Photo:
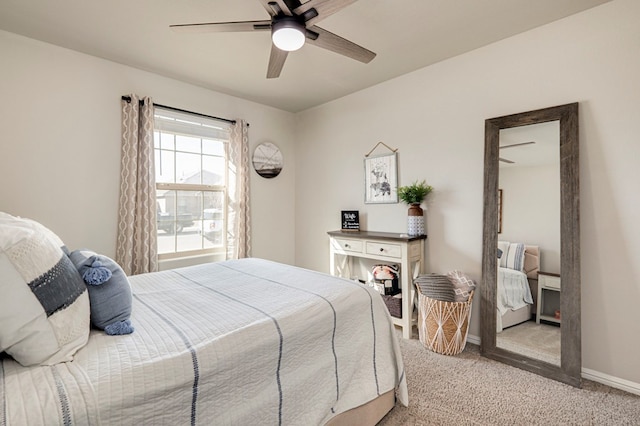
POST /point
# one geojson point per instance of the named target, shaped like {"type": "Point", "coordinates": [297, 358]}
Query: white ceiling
{"type": "Point", "coordinates": [405, 34]}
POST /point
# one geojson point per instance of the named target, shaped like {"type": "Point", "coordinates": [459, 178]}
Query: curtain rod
{"type": "Point", "coordinates": [128, 99]}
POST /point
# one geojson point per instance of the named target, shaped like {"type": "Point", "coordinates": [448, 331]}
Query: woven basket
{"type": "Point", "coordinates": [443, 326]}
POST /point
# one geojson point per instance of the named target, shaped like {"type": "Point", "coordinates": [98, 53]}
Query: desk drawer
{"type": "Point", "coordinates": [354, 246]}
{"type": "Point", "coordinates": [549, 281]}
{"type": "Point", "coordinates": [384, 249]}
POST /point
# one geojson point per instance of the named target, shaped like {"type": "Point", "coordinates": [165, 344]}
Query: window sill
{"type": "Point", "coordinates": [179, 262]}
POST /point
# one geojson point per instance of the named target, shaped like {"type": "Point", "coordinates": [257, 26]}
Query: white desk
{"type": "Point", "coordinates": [406, 251]}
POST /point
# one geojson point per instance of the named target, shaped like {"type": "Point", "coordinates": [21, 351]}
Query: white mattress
{"type": "Point", "coordinates": [241, 342]}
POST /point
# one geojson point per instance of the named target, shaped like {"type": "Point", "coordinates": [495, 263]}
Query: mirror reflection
{"type": "Point", "coordinates": [528, 314]}
{"type": "Point", "coordinates": [529, 226]}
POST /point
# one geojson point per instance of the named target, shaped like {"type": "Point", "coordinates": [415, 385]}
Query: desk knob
{"type": "Point", "coordinates": [381, 249]}
{"type": "Point", "coordinates": [346, 246]}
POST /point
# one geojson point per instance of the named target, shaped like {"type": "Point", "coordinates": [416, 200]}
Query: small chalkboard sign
{"type": "Point", "coordinates": [350, 220]}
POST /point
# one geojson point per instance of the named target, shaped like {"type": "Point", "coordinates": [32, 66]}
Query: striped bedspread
{"type": "Point", "coordinates": [513, 290]}
{"type": "Point", "coordinates": [246, 342]}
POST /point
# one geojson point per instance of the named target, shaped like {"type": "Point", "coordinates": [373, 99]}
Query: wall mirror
{"type": "Point", "coordinates": [530, 308]}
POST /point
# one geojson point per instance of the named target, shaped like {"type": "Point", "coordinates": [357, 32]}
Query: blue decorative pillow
{"type": "Point", "coordinates": [109, 291]}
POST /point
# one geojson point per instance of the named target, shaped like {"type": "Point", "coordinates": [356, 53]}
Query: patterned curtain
{"type": "Point", "coordinates": [238, 214]}
{"type": "Point", "coordinates": [136, 249]}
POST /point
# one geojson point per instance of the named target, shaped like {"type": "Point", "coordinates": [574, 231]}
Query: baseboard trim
{"type": "Point", "coordinates": [588, 374]}
{"type": "Point", "coordinates": [473, 339]}
{"type": "Point", "coordinates": [614, 382]}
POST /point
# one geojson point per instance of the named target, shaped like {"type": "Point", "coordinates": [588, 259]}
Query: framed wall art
{"type": "Point", "coordinates": [381, 178]}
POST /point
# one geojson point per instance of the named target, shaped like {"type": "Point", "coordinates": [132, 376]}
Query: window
{"type": "Point", "coordinates": [191, 183]}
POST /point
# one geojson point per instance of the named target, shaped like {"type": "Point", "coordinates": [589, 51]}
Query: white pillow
{"type": "Point", "coordinates": [44, 308]}
{"type": "Point", "coordinates": [504, 247]}
{"type": "Point", "coordinates": [515, 257]}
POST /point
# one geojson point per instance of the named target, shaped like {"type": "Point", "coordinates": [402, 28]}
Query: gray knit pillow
{"type": "Point", "coordinates": [436, 287]}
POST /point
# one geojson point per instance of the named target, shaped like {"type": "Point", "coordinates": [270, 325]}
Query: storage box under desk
{"type": "Point", "coordinates": [394, 304]}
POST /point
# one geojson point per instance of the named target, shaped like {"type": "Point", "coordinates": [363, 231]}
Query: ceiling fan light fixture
{"type": "Point", "coordinates": [288, 34]}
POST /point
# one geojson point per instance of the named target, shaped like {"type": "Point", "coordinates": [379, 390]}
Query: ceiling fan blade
{"type": "Point", "coordinates": [504, 160]}
{"type": "Point", "coordinates": [276, 62]}
{"type": "Point", "coordinates": [517, 144]}
{"type": "Point", "coordinates": [276, 6]}
{"type": "Point", "coordinates": [337, 44]}
{"type": "Point", "coordinates": [323, 9]}
{"type": "Point", "coordinates": [222, 27]}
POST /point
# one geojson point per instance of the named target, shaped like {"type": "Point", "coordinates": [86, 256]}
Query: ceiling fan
{"type": "Point", "coordinates": [291, 24]}
{"type": "Point", "coordinates": [504, 160]}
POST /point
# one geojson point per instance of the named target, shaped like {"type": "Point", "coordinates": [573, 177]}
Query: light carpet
{"type": "Point", "coordinates": [468, 389]}
{"type": "Point", "coordinates": [539, 341]}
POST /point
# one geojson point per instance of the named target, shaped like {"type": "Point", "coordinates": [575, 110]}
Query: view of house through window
{"type": "Point", "coordinates": [191, 183]}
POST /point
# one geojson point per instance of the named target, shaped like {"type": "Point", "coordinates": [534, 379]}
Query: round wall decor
{"type": "Point", "coordinates": [267, 160]}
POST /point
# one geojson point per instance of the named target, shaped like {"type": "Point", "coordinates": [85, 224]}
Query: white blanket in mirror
{"type": "Point", "coordinates": [513, 290]}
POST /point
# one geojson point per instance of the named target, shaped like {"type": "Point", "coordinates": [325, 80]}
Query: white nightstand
{"type": "Point", "coordinates": [549, 287]}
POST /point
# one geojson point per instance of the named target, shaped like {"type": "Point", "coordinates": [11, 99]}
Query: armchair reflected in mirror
{"type": "Point", "coordinates": [531, 293]}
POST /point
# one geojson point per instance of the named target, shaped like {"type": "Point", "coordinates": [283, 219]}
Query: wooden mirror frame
{"type": "Point", "coordinates": [570, 369]}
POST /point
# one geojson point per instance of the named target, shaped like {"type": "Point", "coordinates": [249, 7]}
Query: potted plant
{"type": "Point", "coordinates": [414, 195]}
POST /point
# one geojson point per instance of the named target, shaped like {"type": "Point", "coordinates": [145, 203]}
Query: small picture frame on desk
{"type": "Point", "coordinates": [350, 220]}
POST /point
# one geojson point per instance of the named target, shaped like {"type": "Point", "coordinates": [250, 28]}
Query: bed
{"type": "Point", "coordinates": [517, 283]}
{"type": "Point", "coordinates": [240, 342]}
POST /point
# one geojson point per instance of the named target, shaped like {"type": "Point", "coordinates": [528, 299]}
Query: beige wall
{"type": "Point", "coordinates": [60, 144]}
{"type": "Point", "coordinates": [435, 117]}
{"type": "Point", "coordinates": [531, 210]}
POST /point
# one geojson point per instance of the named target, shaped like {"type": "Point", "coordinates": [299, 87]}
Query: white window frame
{"type": "Point", "coordinates": [174, 122]}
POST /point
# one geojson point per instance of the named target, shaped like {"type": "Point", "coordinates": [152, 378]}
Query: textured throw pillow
{"type": "Point", "coordinates": [515, 257]}
{"type": "Point", "coordinates": [109, 291]}
{"type": "Point", "coordinates": [44, 305]}
{"type": "Point", "coordinates": [436, 287]}
{"type": "Point", "coordinates": [462, 285]}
